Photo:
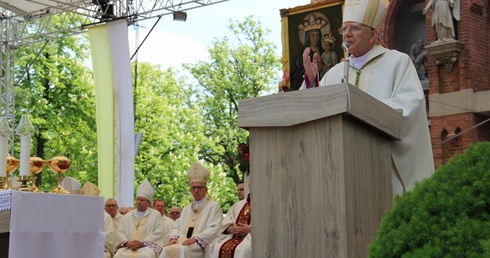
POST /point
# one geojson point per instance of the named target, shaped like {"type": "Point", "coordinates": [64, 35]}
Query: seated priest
{"type": "Point", "coordinates": [167, 223]}
{"type": "Point", "coordinates": [235, 239]}
{"type": "Point", "coordinates": [141, 231]}
{"type": "Point", "coordinates": [199, 222]}
{"type": "Point", "coordinates": [111, 208]}
{"type": "Point", "coordinates": [110, 235]}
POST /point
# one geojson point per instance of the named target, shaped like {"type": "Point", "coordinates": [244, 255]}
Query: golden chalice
{"type": "Point", "coordinates": [59, 165]}
{"type": "Point", "coordinates": [12, 164]}
{"type": "Point", "coordinates": [36, 165]}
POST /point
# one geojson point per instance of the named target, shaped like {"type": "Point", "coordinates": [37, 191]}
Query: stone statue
{"type": "Point", "coordinates": [418, 54]}
{"type": "Point", "coordinates": [443, 12]}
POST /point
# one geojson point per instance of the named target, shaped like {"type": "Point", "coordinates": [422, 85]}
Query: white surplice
{"type": "Point", "coordinates": [147, 229]}
{"type": "Point", "coordinates": [390, 76]}
{"type": "Point", "coordinates": [110, 236]}
{"type": "Point", "coordinates": [205, 221]}
{"type": "Point", "coordinates": [167, 226]}
{"type": "Point", "coordinates": [117, 220]}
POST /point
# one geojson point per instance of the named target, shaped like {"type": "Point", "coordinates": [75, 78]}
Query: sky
{"type": "Point", "coordinates": [172, 43]}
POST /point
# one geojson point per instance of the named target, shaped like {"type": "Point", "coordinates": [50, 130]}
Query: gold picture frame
{"type": "Point", "coordinates": [298, 24]}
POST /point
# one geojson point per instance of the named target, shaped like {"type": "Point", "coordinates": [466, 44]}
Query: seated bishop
{"type": "Point", "coordinates": [140, 231]}
{"type": "Point", "coordinates": [199, 222]}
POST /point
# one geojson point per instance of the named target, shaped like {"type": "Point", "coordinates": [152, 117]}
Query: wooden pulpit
{"type": "Point", "coordinates": [321, 177]}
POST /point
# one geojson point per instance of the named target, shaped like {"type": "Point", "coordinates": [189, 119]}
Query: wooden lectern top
{"type": "Point", "coordinates": [293, 108]}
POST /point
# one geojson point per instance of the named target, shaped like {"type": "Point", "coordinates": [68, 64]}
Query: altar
{"type": "Point", "coordinates": [42, 225]}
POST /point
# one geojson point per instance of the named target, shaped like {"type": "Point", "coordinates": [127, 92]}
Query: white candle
{"type": "Point", "coordinates": [25, 154]}
{"type": "Point", "coordinates": [4, 145]}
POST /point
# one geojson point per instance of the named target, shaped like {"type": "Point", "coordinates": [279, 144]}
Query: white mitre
{"type": "Point", "coordinates": [367, 12]}
{"type": "Point", "coordinates": [145, 190]}
{"type": "Point", "coordinates": [71, 185]}
{"type": "Point", "coordinates": [90, 189]}
{"type": "Point", "coordinates": [197, 173]}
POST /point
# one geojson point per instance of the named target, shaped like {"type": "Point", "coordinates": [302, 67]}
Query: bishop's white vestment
{"type": "Point", "coordinates": [202, 224]}
{"type": "Point", "coordinates": [147, 229]}
{"type": "Point", "coordinates": [390, 76]}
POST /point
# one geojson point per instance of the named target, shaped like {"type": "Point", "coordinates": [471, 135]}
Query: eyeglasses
{"type": "Point", "coordinates": [199, 188]}
{"type": "Point", "coordinates": [353, 28]}
{"type": "Point", "coordinates": [174, 212]}
{"type": "Point", "coordinates": [111, 205]}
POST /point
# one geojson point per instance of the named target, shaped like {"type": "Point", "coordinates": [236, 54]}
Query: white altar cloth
{"type": "Point", "coordinates": [46, 225]}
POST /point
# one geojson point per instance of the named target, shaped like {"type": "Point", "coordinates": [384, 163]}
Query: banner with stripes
{"type": "Point", "coordinates": [114, 106]}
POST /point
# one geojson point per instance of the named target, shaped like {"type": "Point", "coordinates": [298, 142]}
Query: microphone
{"type": "Point", "coordinates": [345, 46]}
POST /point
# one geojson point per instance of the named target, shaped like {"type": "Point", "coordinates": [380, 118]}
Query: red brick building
{"type": "Point", "coordinates": [458, 72]}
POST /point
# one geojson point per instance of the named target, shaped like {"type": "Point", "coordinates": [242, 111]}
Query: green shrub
{"type": "Point", "coordinates": [447, 215]}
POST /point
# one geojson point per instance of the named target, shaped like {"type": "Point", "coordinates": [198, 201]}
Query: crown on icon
{"type": "Point", "coordinates": [312, 23]}
{"type": "Point", "coordinates": [329, 38]}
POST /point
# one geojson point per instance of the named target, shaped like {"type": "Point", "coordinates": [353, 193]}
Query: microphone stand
{"type": "Point", "coordinates": [345, 46]}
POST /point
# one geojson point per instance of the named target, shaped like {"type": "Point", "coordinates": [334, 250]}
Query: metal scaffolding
{"type": "Point", "coordinates": [25, 22]}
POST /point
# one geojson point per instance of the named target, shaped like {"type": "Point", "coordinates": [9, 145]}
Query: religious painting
{"type": "Point", "coordinates": [315, 26]}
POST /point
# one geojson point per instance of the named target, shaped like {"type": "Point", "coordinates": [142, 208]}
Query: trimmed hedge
{"type": "Point", "coordinates": [446, 215]}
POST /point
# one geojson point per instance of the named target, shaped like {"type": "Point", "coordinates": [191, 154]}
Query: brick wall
{"type": "Point", "coordinates": [445, 127]}
{"type": "Point", "coordinates": [472, 71]}
{"type": "Point", "coordinates": [473, 32]}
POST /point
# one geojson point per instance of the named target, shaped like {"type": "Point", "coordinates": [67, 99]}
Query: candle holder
{"type": "Point", "coordinates": [23, 183]}
{"type": "Point", "coordinates": [4, 183]}
{"type": "Point", "coordinates": [36, 165]}
{"type": "Point", "coordinates": [24, 130]}
{"type": "Point", "coordinates": [12, 164]}
{"type": "Point", "coordinates": [59, 165]}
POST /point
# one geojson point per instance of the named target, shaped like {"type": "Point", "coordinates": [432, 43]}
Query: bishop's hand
{"type": "Point", "coordinates": [311, 65]}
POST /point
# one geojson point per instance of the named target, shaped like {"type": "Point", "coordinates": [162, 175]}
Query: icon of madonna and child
{"type": "Point", "coordinates": [314, 31]}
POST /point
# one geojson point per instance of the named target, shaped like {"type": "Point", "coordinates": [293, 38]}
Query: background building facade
{"type": "Point", "coordinates": [458, 72]}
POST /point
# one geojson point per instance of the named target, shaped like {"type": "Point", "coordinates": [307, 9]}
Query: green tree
{"type": "Point", "coordinates": [239, 68]}
{"type": "Point", "coordinates": [446, 215]}
{"type": "Point", "coordinates": [180, 124]}
{"type": "Point", "coordinates": [173, 133]}
{"type": "Point", "coordinates": [55, 88]}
